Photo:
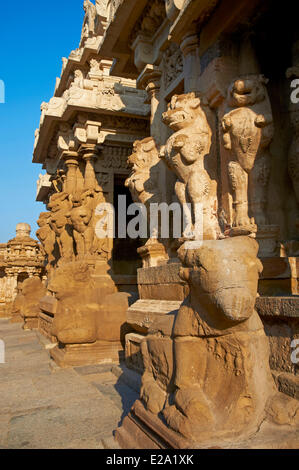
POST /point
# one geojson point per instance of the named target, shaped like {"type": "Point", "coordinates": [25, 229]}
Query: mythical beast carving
{"type": "Point", "coordinates": [184, 154]}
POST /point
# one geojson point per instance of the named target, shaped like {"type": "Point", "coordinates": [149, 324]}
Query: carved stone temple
{"type": "Point", "coordinates": [182, 104]}
{"type": "Point", "coordinates": [22, 263]}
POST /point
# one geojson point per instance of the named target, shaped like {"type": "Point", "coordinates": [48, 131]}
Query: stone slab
{"type": "Point", "coordinates": [87, 354]}
{"type": "Point", "coordinates": [287, 383]}
{"type": "Point", "coordinates": [278, 306]}
{"type": "Point", "coordinates": [164, 274]}
{"type": "Point", "coordinates": [143, 313]}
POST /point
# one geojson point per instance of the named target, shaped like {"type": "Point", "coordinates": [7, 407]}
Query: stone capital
{"type": "Point", "coordinates": [88, 151]}
{"type": "Point", "coordinates": [149, 79]}
{"type": "Point", "coordinates": [70, 158]}
{"type": "Point", "coordinates": [190, 43]}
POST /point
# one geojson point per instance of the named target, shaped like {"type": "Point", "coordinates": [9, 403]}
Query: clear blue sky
{"type": "Point", "coordinates": [34, 36]}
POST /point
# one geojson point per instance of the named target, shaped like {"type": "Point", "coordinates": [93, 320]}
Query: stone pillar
{"type": "Point", "coordinates": [190, 50]}
{"type": "Point", "coordinates": [11, 284]}
{"type": "Point", "coordinates": [149, 80]}
{"type": "Point", "coordinates": [71, 162]}
{"type": "Point", "coordinates": [89, 155]}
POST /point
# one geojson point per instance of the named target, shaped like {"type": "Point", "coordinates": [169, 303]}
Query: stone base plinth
{"type": "Point", "coordinates": [153, 253]}
{"type": "Point", "coordinates": [279, 277]}
{"type": "Point", "coordinates": [144, 430]}
{"type": "Point", "coordinates": [45, 323]}
{"type": "Point", "coordinates": [87, 354]}
{"type": "Point", "coordinates": [30, 323]}
{"type": "Point", "coordinates": [5, 309]}
{"type": "Point", "coordinates": [133, 354]}
{"type": "Point", "coordinates": [162, 282]}
{"type": "Point", "coordinates": [16, 319]}
{"type": "Point", "coordinates": [144, 313]}
{"type": "Point", "coordinates": [267, 237]}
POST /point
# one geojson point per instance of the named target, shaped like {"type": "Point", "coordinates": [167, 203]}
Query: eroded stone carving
{"type": "Point", "coordinates": [145, 187]}
{"type": "Point", "coordinates": [84, 219]}
{"type": "Point", "coordinates": [89, 21]}
{"type": "Point", "coordinates": [83, 232]}
{"type": "Point", "coordinates": [32, 290]}
{"type": "Point", "coordinates": [144, 179]}
{"type": "Point", "coordinates": [173, 64]}
{"type": "Point", "coordinates": [46, 236]}
{"type": "Point", "coordinates": [247, 134]}
{"type": "Point", "coordinates": [60, 207]}
{"type": "Point", "coordinates": [89, 311]}
{"type": "Point", "coordinates": [184, 154]}
{"type": "Point", "coordinates": [209, 373]}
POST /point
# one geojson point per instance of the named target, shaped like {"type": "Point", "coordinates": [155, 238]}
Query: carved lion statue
{"type": "Point", "coordinates": [184, 154]}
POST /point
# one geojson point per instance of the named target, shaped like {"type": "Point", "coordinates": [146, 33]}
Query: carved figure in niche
{"type": "Point", "coordinates": [87, 311]}
{"type": "Point", "coordinates": [144, 179]}
{"type": "Point", "coordinates": [78, 81]}
{"type": "Point", "coordinates": [60, 207]}
{"type": "Point", "coordinates": [247, 134]}
{"type": "Point", "coordinates": [209, 373]}
{"type": "Point", "coordinates": [293, 161]}
{"type": "Point", "coordinates": [90, 18]}
{"type": "Point", "coordinates": [184, 154]}
{"type": "Point", "coordinates": [47, 237]}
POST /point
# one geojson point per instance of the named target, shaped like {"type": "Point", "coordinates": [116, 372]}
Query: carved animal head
{"type": "Point", "coordinates": [67, 280]}
{"type": "Point", "coordinates": [182, 112]}
{"type": "Point", "coordinates": [44, 219]}
{"type": "Point", "coordinates": [80, 217]}
{"type": "Point", "coordinates": [223, 277]}
{"type": "Point", "coordinates": [144, 154]}
{"type": "Point", "coordinates": [33, 288]}
{"type": "Point", "coordinates": [247, 90]}
{"type": "Point", "coordinates": [58, 201]}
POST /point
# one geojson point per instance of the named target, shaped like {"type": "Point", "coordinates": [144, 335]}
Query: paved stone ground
{"type": "Point", "coordinates": [45, 407]}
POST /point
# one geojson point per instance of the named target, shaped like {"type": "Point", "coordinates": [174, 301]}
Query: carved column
{"type": "Point", "coordinates": [190, 50]}
{"type": "Point", "coordinates": [11, 284]}
{"type": "Point", "coordinates": [89, 155]}
{"type": "Point", "coordinates": [71, 162]}
{"type": "Point", "coordinates": [149, 80]}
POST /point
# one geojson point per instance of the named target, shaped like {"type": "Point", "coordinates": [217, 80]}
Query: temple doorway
{"type": "Point", "coordinates": [125, 259]}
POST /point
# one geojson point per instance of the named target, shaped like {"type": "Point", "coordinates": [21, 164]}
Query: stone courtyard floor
{"type": "Point", "coordinates": [45, 407]}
